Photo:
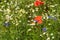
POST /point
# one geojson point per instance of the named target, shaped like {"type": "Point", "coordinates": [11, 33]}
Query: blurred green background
{"type": "Point", "coordinates": [16, 17]}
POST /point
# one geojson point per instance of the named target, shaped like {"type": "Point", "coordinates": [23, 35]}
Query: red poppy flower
{"type": "Point", "coordinates": [38, 3]}
{"type": "Point", "coordinates": [38, 19]}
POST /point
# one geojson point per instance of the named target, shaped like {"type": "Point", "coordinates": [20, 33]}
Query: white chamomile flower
{"type": "Point", "coordinates": [17, 7]}
{"type": "Point", "coordinates": [7, 17]}
{"type": "Point", "coordinates": [53, 10]}
{"type": "Point", "coordinates": [2, 6]}
{"type": "Point", "coordinates": [20, 21]}
{"type": "Point", "coordinates": [1, 10]}
{"type": "Point", "coordinates": [51, 34]}
{"type": "Point", "coordinates": [33, 11]}
{"type": "Point", "coordinates": [11, 17]}
{"type": "Point", "coordinates": [8, 3]}
{"type": "Point", "coordinates": [44, 17]}
{"type": "Point", "coordinates": [47, 17]}
{"type": "Point", "coordinates": [13, 22]}
{"type": "Point", "coordinates": [22, 10]}
{"type": "Point", "coordinates": [41, 35]}
{"type": "Point", "coordinates": [52, 6]}
{"type": "Point", "coordinates": [31, 4]}
{"type": "Point", "coordinates": [26, 12]}
{"type": "Point", "coordinates": [11, 2]}
{"type": "Point", "coordinates": [28, 6]}
{"type": "Point", "coordinates": [28, 21]}
{"type": "Point", "coordinates": [48, 38]}
{"type": "Point", "coordinates": [8, 10]}
{"type": "Point", "coordinates": [32, 24]}
{"type": "Point", "coordinates": [36, 9]}
{"type": "Point", "coordinates": [29, 30]}
{"type": "Point", "coordinates": [44, 33]}
{"type": "Point", "coordinates": [49, 23]}
{"type": "Point", "coordinates": [47, 34]}
{"type": "Point", "coordinates": [17, 24]}
{"type": "Point", "coordinates": [29, 16]}
{"type": "Point", "coordinates": [56, 4]}
{"type": "Point", "coordinates": [32, 20]}
{"type": "Point", "coordinates": [5, 1]}
{"type": "Point", "coordinates": [52, 37]}
{"type": "Point", "coordinates": [20, 15]}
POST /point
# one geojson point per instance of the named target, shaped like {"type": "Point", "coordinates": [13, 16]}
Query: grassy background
{"type": "Point", "coordinates": [19, 28]}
